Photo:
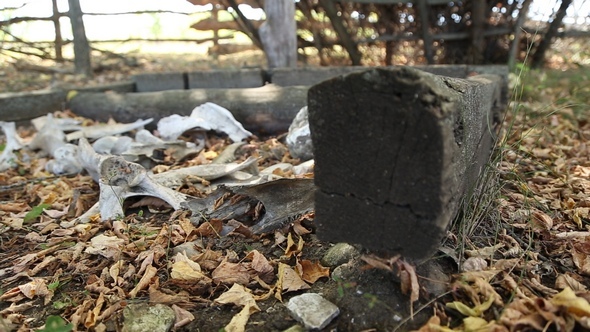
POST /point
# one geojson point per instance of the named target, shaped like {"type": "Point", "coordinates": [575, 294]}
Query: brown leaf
{"type": "Point", "coordinates": [568, 280]}
{"type": "Point", "coordinates": [289, 280]}
{"type": "Point", "coordinates": [261, 265]}
{"type": "Point", "coordinates": [231, 273]}
{"type": "Point", "coordinates": [145, 281]}
{"type": "Point", "coordinates": [183, 317]}
{"type": "Point", "coordinates": [292, 248]}
{"type": "Point", "coordinates": [409, 280]}
{"type": "Point", "coordinates": [210, 228]}
{"type": "Point", "coordinates": [312, 271]}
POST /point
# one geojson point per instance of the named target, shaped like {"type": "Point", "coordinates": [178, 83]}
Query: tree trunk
{"type": "Point", "coordinates": [81, 46]}
{"type": "Point", "coordinates": [278, 34]}
{"type": "Point", "coordinates": [515, 47]}
{"type": "Point", "coordinates": [343, 34]}
{"type": "Point", "coordinates": [539, 55]}
{"type": "Point", "coordinates": [58, 39]}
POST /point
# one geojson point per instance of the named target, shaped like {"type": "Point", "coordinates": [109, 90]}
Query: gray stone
{"type": "Point", "coordinates": [299, 138]}
{"type": "Point", "coordinates": [141, 317]}
{"type": "Point", "coordinates": [345, 271]}
{"type": "Point", "coordinates": [339, 254]}
{"type": "Point", "coordinates": [225, 79]}
{"type": "Point", "coordinates": [395, 151]}
{"type": "Point", "coordinates": [312, 310]}
{"type": "Point", "coordinates": [160, 81]}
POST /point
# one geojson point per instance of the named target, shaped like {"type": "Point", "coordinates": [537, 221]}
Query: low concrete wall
{"type": "Point", "coordinates": [23, 106]}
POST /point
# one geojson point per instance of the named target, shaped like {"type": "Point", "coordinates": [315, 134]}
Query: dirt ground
{"type": "Point", "coordinates": [541, 194]}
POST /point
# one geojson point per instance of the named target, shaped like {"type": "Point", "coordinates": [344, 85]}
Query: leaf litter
{"type": "Point", "coordinates": [529, 273]}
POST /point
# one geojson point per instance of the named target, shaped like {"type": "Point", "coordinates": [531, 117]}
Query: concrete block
{"type": "Point", "coordinates": [23, 106]}
{"type": "Point", "coordinates": [226, 79]}
{"type": "Point", "coordinates": [396, 150]}
{"type": "Point", "coordinates": [19, 106]}
{"type": "Point", "coordinates": [160, 81]}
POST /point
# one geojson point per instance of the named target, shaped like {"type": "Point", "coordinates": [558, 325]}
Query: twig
{"type": "Point", "coordinates": [407, 319]}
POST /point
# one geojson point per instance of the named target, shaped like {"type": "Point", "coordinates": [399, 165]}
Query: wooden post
{"type": "Point", "coordinates": [478, 15]}
{"type": "Point", "coordinates": [58, 39]}
{"type": "Point", "coordinates": [425, 26]}
{"type": "Point", "coordinates": [81, 46]}
{"type": "Point", "coordinates": [278, 33]}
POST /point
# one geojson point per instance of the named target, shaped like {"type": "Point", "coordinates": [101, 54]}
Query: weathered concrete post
{"type": "Point", "coordinates": [395, 151]}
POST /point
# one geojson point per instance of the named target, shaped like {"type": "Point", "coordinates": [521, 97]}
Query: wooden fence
{"type": "Point", "coordinates": [339, 22]}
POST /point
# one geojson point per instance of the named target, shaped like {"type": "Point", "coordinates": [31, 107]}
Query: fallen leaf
{"type": "Point", "coordinates": [106, 246]}
{"type": "Point", "coordinates": [231, 273]}
{"type": "Point", "coordinates": [184, 271]}
{"type": "Point", "coordinates": [293, 249]}
{"type": "Point", "coordinates": [183, 316]}
{"type": "Point", "coordinates": [36, 287]}
{"type": "Point", "coordinates": [238, 295]}
{"type": "Point", "coordinates": [312, 271]}
{"type": "Point", "coordinates": [144, 282]}
{"type": "Point", "coordinates": [476, 311]}
{"type": "Point", "coordinates": [289, 281]}
{"type": "Point", "coordinates": [568, 281]}
{"type": "Point", "coordinates": [261, 265]}
{"type": "Point", "coordinates": [409, 282]}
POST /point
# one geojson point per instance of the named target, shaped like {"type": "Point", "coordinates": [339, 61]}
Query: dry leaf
{"type": "Point", "coordinates": [231, 273]}
{"type": "Point", "coordinates": [145, 280]}
{"type": "Point", "coordinates": [567, 281]}
{"type": "Point", "coordinates": [107, 246]}
{"type": "Point", "coordinates": [261, 265]}
{"type": "Point", "coordinates": [289, 280]}
{"type": "Point", "coordinates": [182, 270]}
{"type": "Point", "coordinates": [293, 249]}
{"type": "Point", "coordinates": [311, 272]}
{"type": "Point", "coordinates": [183, 316]}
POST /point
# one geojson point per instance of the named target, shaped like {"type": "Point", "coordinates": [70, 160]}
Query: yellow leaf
{"type": "Point", "coordinates": [474, 324]}
{"type": "Point", "coordinates": [476, 311]}
{"type": "Point", "coordinates": [575, 305]}
{"type": "Point", "coordinates": [71, 95]}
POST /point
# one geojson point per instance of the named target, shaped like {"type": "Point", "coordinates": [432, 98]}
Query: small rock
{"type": "Point", "coordinates": [344, 271]}
{"type": "Point", "coordinates": [142, 317]}
{"type": "Point", "coordinates": [312, 310]}
{"type": "Point", "coordinates": [339, 254]}
{"type": "Point", "coordinates": [299, 137]}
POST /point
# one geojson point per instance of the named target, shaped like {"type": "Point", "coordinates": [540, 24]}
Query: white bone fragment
{"type": "Point", "coordinates": [112, 144]}
{"type": "Point", "coordinates": [120, 179]}
{"type": "Point", "coordinates": [65, 160]}
{"type": "Point", "coordinates": [174, 178]}
{"type": "Point", "coordinates": [208, 116]}
{"type": "Point", "coordinates": [89, 159]}
{"type": "Point", "coordinates": [64, 124]}
{"type": "Point", "coordinates": [13, 142]}
{"type": "Point", "coordinates": [102, 130]}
